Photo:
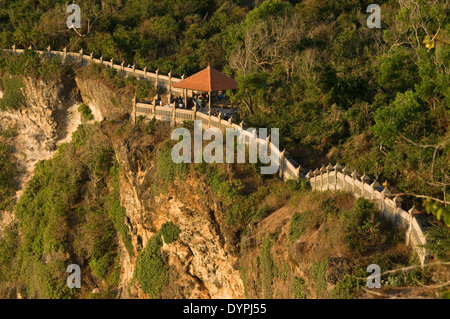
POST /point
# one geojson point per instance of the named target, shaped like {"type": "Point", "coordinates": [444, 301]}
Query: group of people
{"type": "Point", "coordinates": [201, 100]}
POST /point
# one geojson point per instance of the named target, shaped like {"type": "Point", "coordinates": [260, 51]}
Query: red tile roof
{"type": "Point", "coordinates": [208, 79]}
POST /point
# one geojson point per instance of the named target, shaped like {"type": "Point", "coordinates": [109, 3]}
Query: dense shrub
{"type": "Point", "coordinates": [86, 112]}
{"type": "Point", "coordinates": [150, 271]}
{"type": "Point", "coordinates": [170, 232]}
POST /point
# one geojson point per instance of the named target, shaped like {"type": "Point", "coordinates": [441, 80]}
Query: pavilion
{"type": "Point", "coordinates": [207, 80]}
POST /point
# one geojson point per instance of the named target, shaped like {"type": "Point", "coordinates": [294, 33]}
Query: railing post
{"type": "Point", "coordinates": [134, 69]}
{"type": "Point", "coordinates": [209, 118]}
{"type": "Point", "coordinates": [145, 72]}
{"type": "Point", "coordinates": [297, 171]}
{"type": "Point", "coordinates": [281, 166]}
{"type": "Point", "coordinates": [14, 48]}
{"type": "Point", "coordinates": [365, 179]}
{"type": "Point", "coordinates": [81, 56]}
{"type": "Point", "coordinates": [49, 51]}
{"type": "Point", "coordinates": [184, 94]}
{"type": "Point", "coordinates": [322, 173]}
{"type": "Point", "coordinates": [346, 171]}
{"type": "Point", "coordinates": [354, 175]}
{"type": "Point", "coordinates": [329, 168]}
{"type": "Point", "coordinates": [156, 80]}
{"type": "Point", "coordinates": [122, 67]}
{"type": "Point", "coordinates": [170, 83]}
{"type": "Point", "coordinates": [309, 176]}
{"type": "Point", "coordinates": [101, 60]}
{"type": "Point", "coordinates": [92, 56]}
{"type": "Point", "coordinates": [398, 204]}
{"type": "Point", "coordinates": [154, 105]}
{"type": "Point", "coordinates": [411, 212]}
{"type": "Point", "coordinates": [384, 194]}
{"type": "Point", "coordinates": [337, 170]}
{"type": "Point", "coordinates": [375, 185]}
{"type": "Point", "coordinates": [316, 177]}
{"type": "Point", "coordinates": [220, 119]}
{"type": "Point", "coordinates": [230, 121]}
{"type": "Point", "coordinates": [112, 63]}
{"type": "Point", "coordinates": [65, 53]}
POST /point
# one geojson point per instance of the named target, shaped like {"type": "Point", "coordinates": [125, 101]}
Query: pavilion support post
{"type": "Point", "coordinates": [210, 101]}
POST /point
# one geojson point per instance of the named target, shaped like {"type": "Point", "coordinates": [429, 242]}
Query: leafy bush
{"type": "Point", "coordinates": [170, 232]}
{"type": "Point", "coordinates": [439, 242]}
{"type": "Point", "coordinates": [364, 227]}
{"type": "Point", "coordinates": [150, 271]}
{"type": "Point", "coordinates": [86, 112]}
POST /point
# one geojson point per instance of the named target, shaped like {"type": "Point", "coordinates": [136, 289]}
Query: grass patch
{"type": "Point", "coordinates": [166, 168]}
{"type": "Point", "coordinates": [12, 96]}
{"type": "Point", "coordinates": [268, 267]}
{"type": "Point", "coordinates": [318, 273]}
{"type": "Point", "coordinates": [299, 223]}
{"type": "Point", "coordinates": [298, 288]}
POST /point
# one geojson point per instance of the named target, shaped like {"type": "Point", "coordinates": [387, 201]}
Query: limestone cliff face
{"type": "Point", "coordinates": [104, 101]}
{"type": "Point", "coordinates": [201, 262]}
{"type": "Point", "coordinates": [47, 119]}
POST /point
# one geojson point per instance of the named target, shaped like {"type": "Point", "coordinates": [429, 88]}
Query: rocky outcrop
{"type": "Point", "coordinates": [48, 118]}
{"type": "Point", "coordinates": [201, 263]}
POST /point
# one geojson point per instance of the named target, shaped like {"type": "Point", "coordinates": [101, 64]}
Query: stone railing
{"type": "Point", "coordinates": [338, 178]}
{"type": "Point", "coordinates": [160, 81]}
{"type": "Point", "coordinates": [288, 168]}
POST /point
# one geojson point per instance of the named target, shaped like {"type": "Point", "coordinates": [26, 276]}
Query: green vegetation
{"type": "Point", "coordinates": [244, 280]}
{"type": "Point", "coordinates": [12, 95]}
{"type": "Point", "coordinates": [318, 274]}
{"type": "Point", "coordinates": [86, 112]}
{"type": "Point", "coordinates": [298, 288]}
{"type": "Point", "coordinates": [166, 168]}
{"type": "Point", "coordinates": [439, 242]}
{"type": "Point", "coordinates": [268, 267]}
{"type": "Point", "coordinates": [346, 288]}
{"type": "Point", "coordinates": [299, 223]}
{"type": "Point", "coordinates": [8, 173]}
{"type": "Point", "coordinates": [364, 227]}
{"type": "Point", "coordinates": [150, 271]}
{"type": "Point", "coordinates": [67, 214]}
{"type": "Point", "coordinates": [170, 232]}
{"type": "Point", "coordinates": [30, 63]}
